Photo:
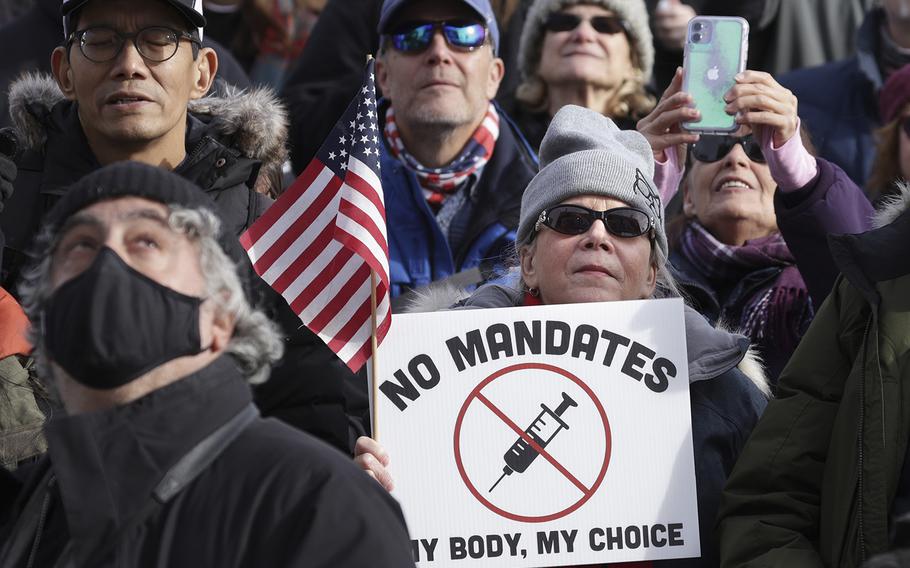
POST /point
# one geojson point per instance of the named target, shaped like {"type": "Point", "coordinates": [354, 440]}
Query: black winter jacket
{"type": "Point", "coordinates": [273, 496]}
{"type": "Point", "coordinates": [227, 140]}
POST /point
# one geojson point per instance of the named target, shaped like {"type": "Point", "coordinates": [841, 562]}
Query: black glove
{"type": "Point", "coordinates": [9, 148]}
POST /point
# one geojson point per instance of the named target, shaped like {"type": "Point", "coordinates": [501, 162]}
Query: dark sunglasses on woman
{"type": "Point", "coordinates": [564, 22]}
{"type": "Point", "coordinates": [414, 37]}
{"type": "Point", "coordinates": [711, 148]}
{"type": "Point", "coordinates": [625, 222]}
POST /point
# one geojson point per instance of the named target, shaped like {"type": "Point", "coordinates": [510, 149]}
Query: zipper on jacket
{"type": "Point", "coordinates": [193, 155]}
{"type": "Point", "coordinates": [45, 505]}
{"type": "Point", "coordinates": [862, 419]}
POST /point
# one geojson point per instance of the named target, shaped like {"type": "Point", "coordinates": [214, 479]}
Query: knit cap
{"type": "Point", "coordinates": [585, 153]}
{"type": "Point", "coordinates": [135, 179]}
{"type": "Point", "coordinates": [632, 12]}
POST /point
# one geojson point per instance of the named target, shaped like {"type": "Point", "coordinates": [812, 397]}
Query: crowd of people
{"type": "Point", "coordinates": [161, 405]}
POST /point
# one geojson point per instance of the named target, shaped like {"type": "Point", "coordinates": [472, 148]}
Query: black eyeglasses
{"type": "Point", "coordinates": [564, 22]}
{"type": "Point", "coordinates": [625, 222]}
{"type": "Point", "coordinates": [711, 148]}
{"type": "Point", "coordinates": [102, 44]}
{"type": "Point", "coordinates": [463, 35]}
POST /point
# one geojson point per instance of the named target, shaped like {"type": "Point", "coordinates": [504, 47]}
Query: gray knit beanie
{"type": "Point", "coordinates": [584, 153]}
{"type": "Point", "coordinates": [633, 12]}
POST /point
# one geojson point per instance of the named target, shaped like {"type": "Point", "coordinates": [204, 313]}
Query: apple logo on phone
{"type": "Point", "coordinates": [713, 73]}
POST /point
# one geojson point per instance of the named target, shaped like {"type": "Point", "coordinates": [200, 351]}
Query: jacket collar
{"type": "Point", "coordinates": [874, 256]}
{"type": "Point", "coordinates": [107, 463]}
{"type": "Point", "coordinates": [209, 163]}
{"type": "Point", "coordinates": [252, 122]}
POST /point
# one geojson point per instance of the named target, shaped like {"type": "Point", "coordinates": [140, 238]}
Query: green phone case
{"type": "Point", "coordinates": [709, 70]}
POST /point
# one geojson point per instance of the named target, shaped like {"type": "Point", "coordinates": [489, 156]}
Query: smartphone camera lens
{"type": "Point", "coordinates": [697, 26]}
{"type": "Point", "coordinates": [696, 38]}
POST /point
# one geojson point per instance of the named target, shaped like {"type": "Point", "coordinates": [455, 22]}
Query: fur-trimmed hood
{"type": "Point", "coordinates": [893, 206]}
{"type": "Point", "coordinates": [877, 255]}
{"type": "Point", "coordinates": [711, 350]}
{"type": "Point", "coordinates": [254, 122]}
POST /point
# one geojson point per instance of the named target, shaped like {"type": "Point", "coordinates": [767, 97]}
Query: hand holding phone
{"type": "Point", "coordinates": [715, 53]}
{"type": "Point", "coordinates": [762, 104]}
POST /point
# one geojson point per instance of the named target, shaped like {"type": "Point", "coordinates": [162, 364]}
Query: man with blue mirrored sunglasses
{"type": "Point", "coordinates": [453, 167]}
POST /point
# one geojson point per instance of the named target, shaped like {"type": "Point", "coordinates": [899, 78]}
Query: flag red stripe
{"type": "Point", "coordinates": [366, 350]}
{"type": "Point", "coordinates": [277, 209]}
{"type": "Point", "coordinates": [360, 318]}
{"type": "Point", "coordinates": [302, 262]}
{"type": "Point", "coordinates": [364, 188]}
{"type": "Point", "coordinates": [353, 243]}
{"type": "Point", "coordinates": [317, 284]}
{"type": "Point", "coordinates": [363, 219]}
{"type": "Point", "coordinates": [342, 297]}
{"type": "Point", "coordinates": [361, 356]}
{"type": "Point", "coordinates": [298, 227]}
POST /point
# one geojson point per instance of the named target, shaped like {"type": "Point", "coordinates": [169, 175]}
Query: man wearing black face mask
{"type": "Point", "coordinates": [140, 306]}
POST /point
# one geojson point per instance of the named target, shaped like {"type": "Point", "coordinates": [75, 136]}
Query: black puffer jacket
{"type": "Point", "coordinates": [227, 140]}
{"type": "Point", "coordinates": [273, 496]}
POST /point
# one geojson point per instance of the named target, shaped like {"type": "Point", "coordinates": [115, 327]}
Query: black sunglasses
{"type": "Point", "coordinates": [625, 222]}
{"type": "Point", "coordinates": [711, 148]}
{"type": "Point", "coordinates": [156, 43]}
{"type": "Point", "coordinates": [463, 35]}
{"type": "Point", "coordinates": [564, 22]}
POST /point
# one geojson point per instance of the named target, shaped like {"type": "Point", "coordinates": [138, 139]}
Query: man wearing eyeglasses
{"type": "Point", "coordinates": [123, 80]}
{"type": "Point", "coordinates": [453, 166]}
{"type": "Point", "coordinates": [130, 83]}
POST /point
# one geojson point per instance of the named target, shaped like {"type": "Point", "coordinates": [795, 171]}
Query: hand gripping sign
{"type": "Point", "coordinates": [541, 436]}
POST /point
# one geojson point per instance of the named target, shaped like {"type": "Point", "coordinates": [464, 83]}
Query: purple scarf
{"type": "Point", "coordinates": [776, 315]}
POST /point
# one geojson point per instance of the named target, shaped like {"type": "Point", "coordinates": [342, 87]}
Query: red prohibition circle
{"type": "Point", "coordinates": [585, 496]}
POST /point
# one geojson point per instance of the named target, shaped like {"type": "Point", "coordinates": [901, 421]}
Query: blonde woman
{"type": "Point", "coordinates": [597, 54]}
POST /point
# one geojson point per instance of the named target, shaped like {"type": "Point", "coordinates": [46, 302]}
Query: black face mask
{"type": "Point", "coordinates": [111, 324]}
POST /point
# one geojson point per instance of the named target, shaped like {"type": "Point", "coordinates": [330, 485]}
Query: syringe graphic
{"type": "Point", "coordinates": [544, 428]}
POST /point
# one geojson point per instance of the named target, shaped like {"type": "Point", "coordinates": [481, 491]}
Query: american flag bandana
{"type": "Point", "coordinates": [439, 183]}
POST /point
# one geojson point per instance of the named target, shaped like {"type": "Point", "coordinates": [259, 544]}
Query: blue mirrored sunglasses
{"type": "Point", "coordinates": [414, 37]}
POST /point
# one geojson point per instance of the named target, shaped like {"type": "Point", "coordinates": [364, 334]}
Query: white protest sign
{"type": "Point", "coordinates": [541, 436]}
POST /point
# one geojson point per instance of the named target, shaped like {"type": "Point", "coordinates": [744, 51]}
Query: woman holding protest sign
{"type": "Point", "coordinates": [591, 230]}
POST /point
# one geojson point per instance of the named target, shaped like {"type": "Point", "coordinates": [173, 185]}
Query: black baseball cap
{"type": "Point", "coordinates": [190, 9]}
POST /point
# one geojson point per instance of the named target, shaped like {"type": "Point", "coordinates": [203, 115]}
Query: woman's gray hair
{"type": "Point", "coordinates": [256, 343]}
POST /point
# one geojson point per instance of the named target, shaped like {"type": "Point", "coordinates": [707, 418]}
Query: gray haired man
{"type": "Point", "coordinates": [143, 323]}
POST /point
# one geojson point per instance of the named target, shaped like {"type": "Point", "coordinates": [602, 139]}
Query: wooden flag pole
{"type": "Point", "coordinates": [373, 360]}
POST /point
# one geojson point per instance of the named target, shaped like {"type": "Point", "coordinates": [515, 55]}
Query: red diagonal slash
{"type": "Point", "coordinates": [524, 436]}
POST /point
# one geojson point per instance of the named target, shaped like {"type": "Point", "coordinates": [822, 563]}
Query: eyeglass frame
{"type": "Point", "coordinates": [650, 230]}
{"type": "Point", "coordinates": [437, 25]}
{"type": "Point", "coordinates": [133, 37]}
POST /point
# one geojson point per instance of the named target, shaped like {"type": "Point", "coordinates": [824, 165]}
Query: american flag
{"type": "Point", "coordinates": [317, 244]}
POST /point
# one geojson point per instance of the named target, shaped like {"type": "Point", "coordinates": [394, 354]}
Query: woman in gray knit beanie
{"type": "Point", "coordinates": [593, 53]}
